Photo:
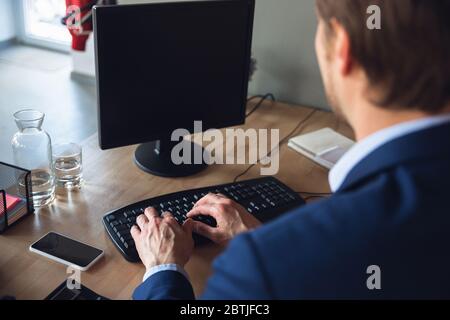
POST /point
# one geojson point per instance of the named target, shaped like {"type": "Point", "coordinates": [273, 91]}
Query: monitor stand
{"type": "Point", "coordinates": [156, 158]}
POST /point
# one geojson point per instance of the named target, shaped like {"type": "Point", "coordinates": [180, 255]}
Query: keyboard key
{"type": "Point", "coordinates": [129, 244]}
{"type": "Point", "coordinates": [259, 196]}
{"type": "Point", "coordinates": [114, 223]}
{"type": "Point", "coordinates": [120, 228]}
{"type": "Point", "coordinates": [128, 237]}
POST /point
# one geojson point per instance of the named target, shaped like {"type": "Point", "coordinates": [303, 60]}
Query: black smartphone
{"type": "Point", "coordinates": [67, 251]}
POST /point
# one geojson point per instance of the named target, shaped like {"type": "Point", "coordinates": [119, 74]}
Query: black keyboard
{"type": "Point", "coordinates": [265, 198]}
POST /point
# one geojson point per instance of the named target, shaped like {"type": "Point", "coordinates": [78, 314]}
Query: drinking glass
{"type": "Point", "coordinates": [67, 161]}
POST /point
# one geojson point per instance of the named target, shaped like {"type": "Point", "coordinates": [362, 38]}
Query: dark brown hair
{"type": "Point", "coordinates": [408, 59]}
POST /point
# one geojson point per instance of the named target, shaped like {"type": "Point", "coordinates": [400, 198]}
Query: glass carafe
{"type": "Point", "coordinates": [32, 150]}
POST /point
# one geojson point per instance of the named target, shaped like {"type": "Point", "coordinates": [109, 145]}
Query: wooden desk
{"type": "Point", "coordinates": [112, 181]}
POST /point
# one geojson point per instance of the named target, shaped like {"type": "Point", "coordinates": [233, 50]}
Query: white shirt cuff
{"type": "Point", "coordinates": [164, 267]}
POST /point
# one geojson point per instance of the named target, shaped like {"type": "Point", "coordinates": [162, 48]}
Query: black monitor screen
{"type": "Point", "coordinates": [163, 66]}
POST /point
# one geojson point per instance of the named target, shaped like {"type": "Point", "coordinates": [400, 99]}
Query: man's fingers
{"type": "Point", "coordinates": [203, 229]}
{"type": "Point", "coordinates": [206, 210]}
{"type": "Point", "coordinates": [204, 200]}
{"type": "Point", "coordinates": [135, 232]}
{"type": "Point", "coordinates": [141, 221]}
{"type": "Point", "coordinates": [169, 219]}
{"type": "Point", "coordinates": [210, 198]}
{"type": "Point", "coordinates": [167, 215]}
{"type": "Point", "coordinates": [150, 213]}
{"type": "Point", "coordinates": [188, 226]}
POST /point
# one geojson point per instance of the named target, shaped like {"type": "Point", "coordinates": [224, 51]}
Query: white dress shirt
{"type": "Point", "coordinates": [164, 267]}
{"type": "Point", "coordinates": [355, 155]}
{"type": "Point", "coordinates": [366, 146]}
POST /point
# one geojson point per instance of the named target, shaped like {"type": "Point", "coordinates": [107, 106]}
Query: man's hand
{"type": "Point", "coordinates": [232, 219]}
{"type": "Point", "coordinates": [162, 240]}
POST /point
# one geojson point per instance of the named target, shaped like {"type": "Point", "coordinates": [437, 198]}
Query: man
{"type": "Point", "coordinates": [390, 213]}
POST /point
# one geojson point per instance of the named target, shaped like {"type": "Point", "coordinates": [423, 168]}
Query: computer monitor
{"type": "Point", "coordinates": [163, 66]}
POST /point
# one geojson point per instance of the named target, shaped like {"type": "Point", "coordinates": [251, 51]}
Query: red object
{"type": "Point", "coordinates": [11, 202]}
{"type": "Point", "coordinates": [78, 29]}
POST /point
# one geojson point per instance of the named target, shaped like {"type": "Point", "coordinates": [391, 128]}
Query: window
{"type": "Point", "coordinates": [41, 23]}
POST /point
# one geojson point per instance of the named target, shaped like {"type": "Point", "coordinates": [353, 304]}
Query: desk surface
{"type": "Point", "coordinates": [112, 181]}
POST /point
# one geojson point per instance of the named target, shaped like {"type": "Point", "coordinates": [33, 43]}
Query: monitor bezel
{"type": "Point", "coordinates": [105, 143]}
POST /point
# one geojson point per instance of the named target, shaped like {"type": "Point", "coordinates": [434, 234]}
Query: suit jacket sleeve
{"type": "Point", "coordinates": [165, 285]}
{"type": "Point", "coordinates": [238, 275]}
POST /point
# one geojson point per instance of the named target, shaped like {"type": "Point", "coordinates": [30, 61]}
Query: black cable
{"type": "Point", "coordinates": [244, 173]}
{"type": "Point", "coordinates": [313, 197]}
{"type": "Point", "coordinates": [263, 98]}
{"type": "Point", "coordinates": [279, 144]}
{"type": "Point", "coordinates": [314, 194]}
{"type": "Point", "coordinates": [300, 124]}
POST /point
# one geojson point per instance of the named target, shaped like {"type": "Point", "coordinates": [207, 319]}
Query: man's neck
{"type": "Point", "coordinates": [370, 119]}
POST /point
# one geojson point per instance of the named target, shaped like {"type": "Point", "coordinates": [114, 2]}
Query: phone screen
{"type": "Point", "coordinates": [69, 250]}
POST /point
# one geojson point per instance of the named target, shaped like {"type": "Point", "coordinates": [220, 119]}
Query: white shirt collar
{"type": "Point", "coordinates": [366, 146]}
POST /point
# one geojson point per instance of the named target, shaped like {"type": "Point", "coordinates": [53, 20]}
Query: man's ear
{"type": "Point", "coordinates": [342, 48]}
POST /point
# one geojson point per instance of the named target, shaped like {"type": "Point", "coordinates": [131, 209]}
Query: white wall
{"type": "Point", "coordinates": [283, 44]}
{"type": "Point", "coordinates": [7, 26]}
{"type": "Point", "coordinates": [83, 62]}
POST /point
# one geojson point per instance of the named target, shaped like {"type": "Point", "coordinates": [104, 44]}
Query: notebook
{"type": "Point", "coordinates": [11, 202]}
{"type": "Point", "coordinates": [325, 146]}
{"type": "Point", "coordinates": [16, 208]}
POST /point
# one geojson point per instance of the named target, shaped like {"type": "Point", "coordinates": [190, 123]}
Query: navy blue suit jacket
{"type": "Point", "coordinates": [393, 211]}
